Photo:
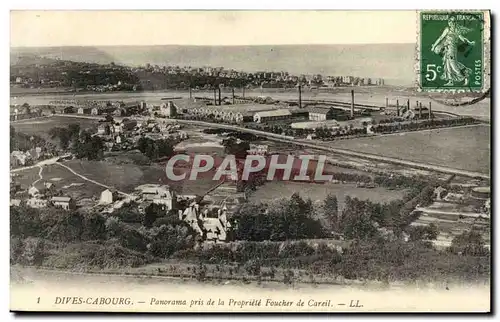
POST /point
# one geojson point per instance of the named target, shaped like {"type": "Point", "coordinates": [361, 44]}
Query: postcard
{"type": "Point", "coordinates": [250, 161]}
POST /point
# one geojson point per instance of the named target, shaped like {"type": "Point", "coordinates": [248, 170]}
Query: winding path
{"type": "Point", "coordinates": [92, 181]}
{"type": "Point", "coordinates": [39, 174]}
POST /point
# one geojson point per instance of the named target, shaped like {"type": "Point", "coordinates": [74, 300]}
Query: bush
{"type": "Point", "coordinates": [16, 249]}
{"type": "Point", "coordinates": [295, 249]}
{"type": "Point", "coordinates": [33, 251]}
{"type": "Point", "coordinates": [170, 239]}
{"type": "Point", "coordinates": [62, 226]}
{"type": "Point", "coordinates": [95, 255]}
{"type": "Point", "coordinates": [252, 267]}
{"type": "Point", "coordinates": [251, 250]}
{"type": "Point", "coordinates": [25, 222]}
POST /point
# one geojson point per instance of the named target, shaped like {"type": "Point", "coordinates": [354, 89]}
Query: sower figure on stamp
{"type": "Point", "coordinates": [447, 45]}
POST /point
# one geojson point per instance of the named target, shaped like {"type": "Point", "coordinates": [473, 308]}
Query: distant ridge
{"type": "Point", "coordinates": [392, 62]}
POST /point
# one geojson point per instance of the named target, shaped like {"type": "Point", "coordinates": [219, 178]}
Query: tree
{"type": "Point", "coordinates": [172, 238]}
{"type": "Point", "coordinates": [469, 243]}
{"type": "Point", "coordinates": [62, 226]}
{"type": "Point", "coordinates": [155, 149]}
{"type": "Point", "coordinates": [62, 134]}
{"type": "Point", "coordinates": [109, 118]}
{"type": "Point", "coordinates": [25, 222]}
{"type": "Point", "coordinates": [12, 138]}
{"type": "Point", "coordinates": [330, 207]}
{"type": "Point", "coordinates": [419, 233]}
{"type": "Point", "coordinates": [153, 212]}
{"type": "Point", "coordinates": [88, 146]}
{"type": "Point", "coordinates": [239, 150]}
{"type": "Point", "coordinates": [94, 227]}
{"type": "Point", "coordinates": [284, 219]}
{"type": "Point", "coordinates": [357, 222]}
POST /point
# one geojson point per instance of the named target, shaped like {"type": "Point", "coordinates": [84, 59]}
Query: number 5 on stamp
{"type": "Point", "coordinates": [451, 51]}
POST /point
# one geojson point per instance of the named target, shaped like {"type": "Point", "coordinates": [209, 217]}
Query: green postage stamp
{"type": "Point", "coordinates": [453, 51]}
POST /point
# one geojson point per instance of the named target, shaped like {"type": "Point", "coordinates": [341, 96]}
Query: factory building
{"type": "Point", "coordinates": [267, 116]}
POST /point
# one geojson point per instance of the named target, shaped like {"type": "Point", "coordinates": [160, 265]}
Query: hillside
{"type": "Point", "coordinates": [392, 62]}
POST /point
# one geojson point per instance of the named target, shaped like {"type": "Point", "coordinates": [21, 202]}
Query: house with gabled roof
{"type": "Point", "coordinates": [64, 202]}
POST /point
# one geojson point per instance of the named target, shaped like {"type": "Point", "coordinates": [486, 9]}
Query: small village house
{"type": "Point", "coordinates": [37, 203]}
{"type": "Point", "coordinates": [66, 203]}
{"type": "Point", "coordinates": [103, 129]}
{"type": "Point", "coordinates": [102, 110]}
{"type": "Point", "coordinates": [108, 197]}
{"type": "Point", "coordinates": [158, 194]}
{"type": "Point", "coordinates": [19, 158]}
{"type": "Point", "coordinates": [168, 109]}
{"type": "Point", "coordinates": [84, 110]}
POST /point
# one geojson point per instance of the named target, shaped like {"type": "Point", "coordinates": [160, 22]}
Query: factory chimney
{"type": "Point", "coordinates": [397, 108]}
{"type": "Point", "coordinates": [408, 104]}
{"type": "Point", "coordinates": [352, 104]}
{"type": "Point", "coordinates": [232, 90]}
{"type": "Point", "coordinates": [300, 96]}
{"type": "Point", "coordinates": [386, 102]}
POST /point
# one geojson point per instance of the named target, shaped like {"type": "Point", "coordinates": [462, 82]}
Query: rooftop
{"type": "Point", "coordinates": [281, 112]}
{"type": "Point", "coordinates": [61, 199]}
{"type": "Point", "coordinates": [245, 108]}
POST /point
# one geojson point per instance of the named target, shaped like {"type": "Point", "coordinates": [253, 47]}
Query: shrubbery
{"type": "Point", "coordinates": [283, 220]}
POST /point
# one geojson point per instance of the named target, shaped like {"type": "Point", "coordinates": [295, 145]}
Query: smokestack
{"type": "Point", "coordinates": [352, 103]}
{"type": "Point", "coordinates": [232, 90]}
{"type": "Point", "coordinates": [430, 110]}
{"type": "Point", "coordinates": [190, 94]}
{"type": "Point", "coordinates": [420, 110]}
{"type": "Point", "coordinates": [397, 107]}
{"type": "Point", "coordinates": [220, 101]}
{"type": "Point", "coordinates": [300, 96]}
{"type": "Point", "coordinates": [408, 104]}
{"type": "Point", "coordinates": [215, 96]}
{"type": "Point", "coordinates": [386, 102]}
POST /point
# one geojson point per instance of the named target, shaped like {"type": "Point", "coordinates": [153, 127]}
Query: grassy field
{"type": "Point", "coordinates": [275, 190]}
{"type": "Point", "coordinates": [42, 126]}
{"type": "Point", "coordinates": [466, 148]}
{"type": "Point", "coordinates": [63, 179]}
{"type": "Point", "coordinates": [126, 177]}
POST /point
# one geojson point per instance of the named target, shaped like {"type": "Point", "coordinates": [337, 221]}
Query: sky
{"type": "Point", "coordinates": [209, 28]}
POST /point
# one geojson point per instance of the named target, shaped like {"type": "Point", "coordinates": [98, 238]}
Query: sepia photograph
{"type": "Point", "coordinates": [250, 161]}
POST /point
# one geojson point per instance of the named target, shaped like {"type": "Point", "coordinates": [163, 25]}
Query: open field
{"type": "Point", "coordinates": [42, 126]}
{"type": "Point", "coordinates": [275, 190]}
{"type": "Point", "coordinates": [126, 177]}
{"type": "Point", "coordinates": [465, 148]}
{"type": "Point", "coordinates": [26, 177]}
{"type": "Point", "coordinates": [63, 179]}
